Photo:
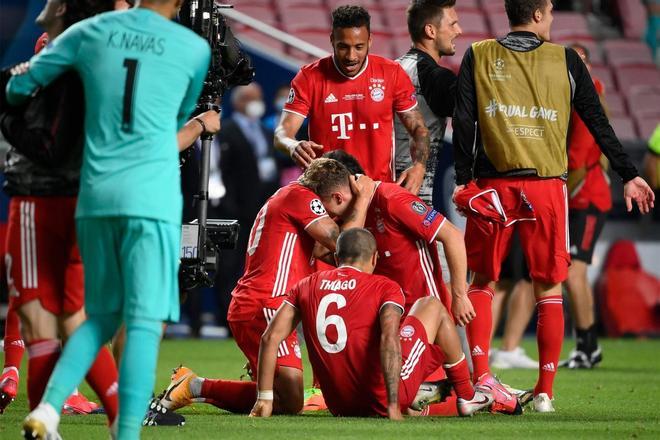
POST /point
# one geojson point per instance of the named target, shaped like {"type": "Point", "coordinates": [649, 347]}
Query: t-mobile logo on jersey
{"type": "Point", "coordinates": [345, 124]}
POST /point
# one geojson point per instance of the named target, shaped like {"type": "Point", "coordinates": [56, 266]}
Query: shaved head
{"type": "Point", "coordinates": [355, 245]}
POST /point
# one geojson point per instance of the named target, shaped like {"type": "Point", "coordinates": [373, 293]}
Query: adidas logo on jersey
{"type": "Point", "coordinates": [549, 367]}
{"type": "Point", "coordinates": [331, 98]}
{"type": "Point", "coordinates": [477, 351]}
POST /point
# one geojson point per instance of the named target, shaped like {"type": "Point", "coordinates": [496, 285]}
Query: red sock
{"type": "Point", "coordinates": [459, 376]}
{"type": "Point", "coordinates": [231, 395]}
{"type": "Point", "coordinates": [42, 357]}
{"type": "Point", "coordinates": [102, 377]}
{"type": "Point", "coordinates": [447, 408]}
{"type": "Point", "coordinates": [478, 331]}
{"type": "Point", "coordinates": [14, 345]}
{"type": "Point", "coordinates": [550, 336]}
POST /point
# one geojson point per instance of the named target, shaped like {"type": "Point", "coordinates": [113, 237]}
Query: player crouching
{"type": "Point", "coordinates": [352, 318]}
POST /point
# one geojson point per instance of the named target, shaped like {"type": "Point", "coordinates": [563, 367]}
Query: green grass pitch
{"type": "Point", "coordinates": [619, 399]}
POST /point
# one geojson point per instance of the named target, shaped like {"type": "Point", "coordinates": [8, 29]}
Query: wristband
{"type": "Point", "coordinates": [291, 145]}
{"type": "Point", "coordinates": [201, 123]}
{"type": "Point", "coordinates": [265, 395]}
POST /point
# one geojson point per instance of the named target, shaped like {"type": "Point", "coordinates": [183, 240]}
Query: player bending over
{"type": "Point", "coordinates": [278, 255]}
{"type": "Point", "coordinates": [351, 319]}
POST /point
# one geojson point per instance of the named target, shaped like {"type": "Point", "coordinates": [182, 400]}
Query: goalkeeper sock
{"type": "Point", "coordinates": [42, 357]}
{"type": "Point", "coordinates": [137, 374]}
{"type": "Point", "coordinates": [478, 331]}
{"type": "Point", "coordinates": [102, 377]}
{"type": "Point", "coordinates": [231, 395]}
{"type": "Point", "coordinates": [78, 355]}
{"type": "Point", "coordinates": [549, 335]}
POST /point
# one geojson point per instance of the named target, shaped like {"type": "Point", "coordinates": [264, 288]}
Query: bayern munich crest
{"type": "Point", "coordinates": [377, 92]}
{"type": "Point", "coordinates": [317, 207]}
{"type": "Point", "coordinates": [407, 331]}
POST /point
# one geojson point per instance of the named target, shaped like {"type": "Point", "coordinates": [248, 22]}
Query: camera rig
{"type": "Point", "coordinates": [203, 238]}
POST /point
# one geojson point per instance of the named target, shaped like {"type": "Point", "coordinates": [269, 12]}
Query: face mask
{"type": "Point", "coordinates": [255, 109]}
{"type": "Point", "coordinates": [279, 103]}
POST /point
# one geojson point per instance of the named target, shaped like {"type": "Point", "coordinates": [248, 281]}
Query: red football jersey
{"type": "Point", "coordinates": [279, 250]}
{"type": "Point", "coordinates": [355, 114]}
{"type": "Point", "coordinates": [583, 151]}
{"type": "Point", "coordinates": [340, 316]}
{"type": "Point", "coordinates": [405, 229]}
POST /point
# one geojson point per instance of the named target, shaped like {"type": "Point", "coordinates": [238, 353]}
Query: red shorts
{"type": "Point", "coordinates": [418, 359]}
{"type": "Point", "coordinates": [42, 257]}
{"type": "Point", "coordinates": [544, 240]}
{"type": "Point", "coordinates": [248, 337]}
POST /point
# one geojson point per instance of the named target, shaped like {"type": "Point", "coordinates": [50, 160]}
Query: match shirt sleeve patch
{"type": "Point", "coordinates": [405, 97]}
{"type": "Point", "coordinates": [306, 208]}
{"type": "Point", "coordinates": [299, 98]}
{"type": "Point", "coordinates": [415, 216]}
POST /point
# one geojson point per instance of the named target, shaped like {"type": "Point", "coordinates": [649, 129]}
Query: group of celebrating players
{"type": "Point", "coordinates": [380, 327]}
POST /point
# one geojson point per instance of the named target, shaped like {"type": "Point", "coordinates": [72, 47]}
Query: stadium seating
{"type": "Point", "coordinates": [570, 25]}
{"type": "Point", "coordinates": [633, 18]}
{"type": "Point", "coordinates": [621, 53]}
{"type": "Point", "coordinates": [646, 126]}
{"type": "Point", "coordinates": [625, 66]}
{"type": "Point", "coordinates": [616, 105]}
{"type": "Point", "coordinates": [624, 128]}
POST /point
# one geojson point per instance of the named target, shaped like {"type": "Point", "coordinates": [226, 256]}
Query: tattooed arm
{"type": "Point", "coordinates": [419, 150]}
{"type": "Point", "coordinates": [390, 356]}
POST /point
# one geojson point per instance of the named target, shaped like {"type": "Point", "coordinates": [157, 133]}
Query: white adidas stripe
{"type": "Point", "coordinates": [284, 264]}
{"type": "Point", "coordinates": [23, 246]}
{"type": "Point", "coordinates": [406, 366]}
{"type": "Point", "coordinates": [287, 266]}
{"type": "Point", "coordinates": [413, 360]}
{"type": "Point", "coordinates": [550, 301]}
{"type": "Point", "coordinates": [427, 268]}
{"type": "Point", "coordinates": [28, 246]}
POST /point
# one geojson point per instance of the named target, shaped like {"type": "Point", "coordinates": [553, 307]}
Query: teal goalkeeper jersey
{"type": "Point", "coordinates": [142, 76]}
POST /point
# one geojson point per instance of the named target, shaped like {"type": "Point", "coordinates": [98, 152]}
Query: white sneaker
{"type": "Point", "coordinates": [41, 424]}
{"type": "Point", "coordinates": [516, 358]}
{"type": "Point", "coordinates": [542, 403]}
{"type": "Point", "coordinates": [482, 399]}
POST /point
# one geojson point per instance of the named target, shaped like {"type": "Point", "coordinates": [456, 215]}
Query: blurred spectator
{"type": "Point", "coordinates": [281, 95]}
{"type": "Point", "coordinates": [250, 174]}
{"type": "Point", "coordinates": [653, 27]}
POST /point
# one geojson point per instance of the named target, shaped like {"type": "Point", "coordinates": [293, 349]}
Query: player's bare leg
{"type": "Point", "coordinates": [587, 352]}
{"type": "Point", "coordinates": [499, 299]}
{"type": "Point", "coordinates": [520, 309]}
{"type": "Point", "coordinates": [549, 335]}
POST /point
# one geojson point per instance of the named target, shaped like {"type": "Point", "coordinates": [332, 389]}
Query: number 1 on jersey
{"type": "Point", "coordinates": [131, 65]}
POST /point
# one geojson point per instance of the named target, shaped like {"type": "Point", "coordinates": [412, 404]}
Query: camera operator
{"type": "Point", "coordinates": [129, 207]}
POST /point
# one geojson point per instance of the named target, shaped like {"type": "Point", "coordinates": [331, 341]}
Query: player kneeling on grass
{"type": "Point", "coordinates": [279, 250]}
{"type": "Point", "coordinates": [352, 319]}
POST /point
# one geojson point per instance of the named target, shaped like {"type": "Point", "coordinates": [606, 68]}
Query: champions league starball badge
{"type": "Point", "coordinates": [317, 207]}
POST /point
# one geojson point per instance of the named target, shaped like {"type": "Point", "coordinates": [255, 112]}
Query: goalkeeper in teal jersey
{"type": "Point", "coordinates": [142, 75]}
